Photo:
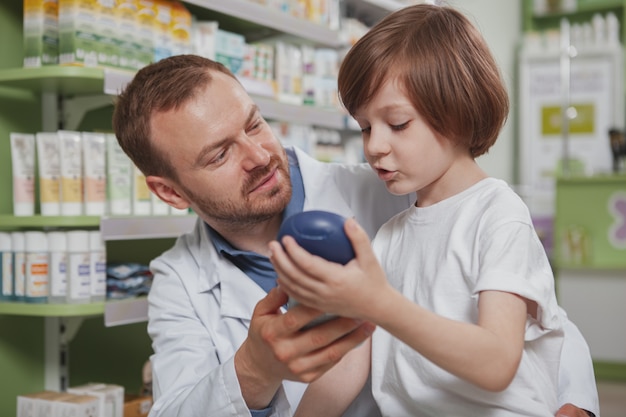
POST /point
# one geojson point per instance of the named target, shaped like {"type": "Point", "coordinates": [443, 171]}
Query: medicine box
{"type": "Point", "coordinates": [137, 405]}
{"type": "Point", "coordinates": [230, 50]}
{"type": "Point", "coordinates": [41, 32]}
{"type": "Point", "coordinates": [110, 397]}
{"type": "Point", "coordinates": [56, 404]}
{"type": "Point", "coordinates": [78, 36]}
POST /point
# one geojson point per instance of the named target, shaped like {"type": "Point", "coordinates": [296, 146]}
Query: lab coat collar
{"type": "Point", "coordinates": [320, 189]}
{"type": "Point", "coordinates": [238, 293]}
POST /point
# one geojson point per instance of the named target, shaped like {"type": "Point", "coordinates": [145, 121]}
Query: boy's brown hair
{"type": "Point", "coordinates": [444, 63]}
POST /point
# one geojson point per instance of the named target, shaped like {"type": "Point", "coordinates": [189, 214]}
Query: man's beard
{"type": "Point", "coordinates": [248, 212]}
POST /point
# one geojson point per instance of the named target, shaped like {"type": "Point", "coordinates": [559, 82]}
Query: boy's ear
{"type": "Point", "coordinates": [166, 191]}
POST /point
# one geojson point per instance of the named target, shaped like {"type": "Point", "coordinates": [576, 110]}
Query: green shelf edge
{"type": "Point", "coordinates": [51, 310]}
{"type": "Point", "coordinates": [10, 222]}
{"type": "Point", "coordinates": [68, 80]}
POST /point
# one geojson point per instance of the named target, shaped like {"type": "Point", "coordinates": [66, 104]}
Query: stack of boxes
{"type": "Point", "coordinates": [90, 400]}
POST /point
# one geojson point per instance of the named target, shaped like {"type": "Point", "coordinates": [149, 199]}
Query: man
{"type": "Point", "coordinates": [222, 345]}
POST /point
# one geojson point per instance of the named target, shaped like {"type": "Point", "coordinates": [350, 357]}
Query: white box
{"type": "Point", "coordinates": [110, 397]}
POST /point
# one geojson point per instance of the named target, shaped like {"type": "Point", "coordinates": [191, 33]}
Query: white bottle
{"type": "Point", "coordinates": [6, 267]}
{"type": "Point", "coordinates": [19, 265]}
{"type": "Point", "coordinates": [57, 247]}
{"type": "Point", "coordinates": [78, 267]}
{"type": "Point", "coordinates": [98, 266]}
{"type": "Point", "coordinates": [36, 284]}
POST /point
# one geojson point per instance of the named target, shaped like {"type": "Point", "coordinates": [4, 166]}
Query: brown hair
{"type": "Point", "coordinates": [162, 86]}
{"type": "Point", "coordinates": [445, 65]}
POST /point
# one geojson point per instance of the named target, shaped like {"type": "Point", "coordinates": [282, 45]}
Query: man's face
{"type": "Point", "coordinates": [230, 166]}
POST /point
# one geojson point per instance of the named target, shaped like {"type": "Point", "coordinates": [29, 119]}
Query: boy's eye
{"type": "Point", "coordinates": [400, 126]}
{"type": "Point", "coordinates": [366, 129]}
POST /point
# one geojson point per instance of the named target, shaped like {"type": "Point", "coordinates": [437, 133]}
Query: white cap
{"type": "Point", "coordinates": [57, 241]}
{"type": "Point", "coordinates": [17, 239]}
{"type": "Point", "coordinates": [5, 242]}
{"type": "Point", "coordinates": [95, 240]}
{"type": "Point", "coordinates": [78, 241]}
{"type": "Point", "coordinates": [36, 241]}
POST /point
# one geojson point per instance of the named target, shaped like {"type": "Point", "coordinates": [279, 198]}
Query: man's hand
{"type": "Point", "coordinates": [276, 348]}
{"type": "Point", "coordinates": [570, 410]}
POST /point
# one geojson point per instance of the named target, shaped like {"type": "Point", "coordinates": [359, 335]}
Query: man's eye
{"type": "Point", "coordinates": [366, 129]}
{"type": "Point", "coordinates": [219, 157]}
{"type": "Point", "coordinates": [255, 126]}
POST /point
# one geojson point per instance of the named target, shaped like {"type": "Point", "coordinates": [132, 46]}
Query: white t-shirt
{"type": "Point", "coordinates": [441, 257]}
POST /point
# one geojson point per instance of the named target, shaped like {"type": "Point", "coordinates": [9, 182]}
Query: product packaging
{"type": "Point", "coordinates": [41, 33]}
{"type": "Point", "coordinates": [97, 255]}
{"type": "Point", "coordinates": [78, 267]}
{"type": "Point", "coordinates": [57, 248]}
{"type": "Point", "coordinates": [49, 168]}
{"type": "Point", "coordinates": [110, 397]}
{"type": "Point", "coordinates": [119, 178]}
{"type": "Point", "coordinates": [19, 265]}
{"type": "Point", "coordinates": [56, 404]}
{"type": "Point", "coordinates": [6, 267]}
{"type": "Point", "coordinates": [71, 173]}
{"type": "Point", "coordinates": [94, 163]}
{"type": "Point", "coordinates": [142, 200]}
{"type": "Point", "coordinates": [23, 168]}
{"type": "Point", "coordinates": [36, 284]}
{"type": "Point", "coordinates": [230, 50]}
{"type": "Point", "coordinates": [78, 37]}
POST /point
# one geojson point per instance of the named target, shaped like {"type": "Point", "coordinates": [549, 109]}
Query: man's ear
{"type": "Point", "coordinates": [166, 191]}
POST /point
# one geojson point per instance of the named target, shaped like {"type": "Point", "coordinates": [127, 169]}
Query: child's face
{"type": "Point", "coordinates": [404, 151]}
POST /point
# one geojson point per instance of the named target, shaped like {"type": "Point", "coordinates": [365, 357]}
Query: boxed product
{"type": "Point", "coordinates": [203, 38]}
{"type": "Point", "coordinates": [127, 34]}
{"type": "Point", "coordinates": [78, 36]}
{"type": "Point", "coordinates": [137, 405]}
{"type": "Point", "coordinates": [41, 32]}
{"type": "Point", "coordinates": [56, 404]}
{"type": "Point", "coordinates": [230, 50]}
{"type": "Point", "coordinates": [110, 397]}
{"type": "Point", "coordinates": [288, 69]}
{"type": "Point", "coordinates": [180, 28]}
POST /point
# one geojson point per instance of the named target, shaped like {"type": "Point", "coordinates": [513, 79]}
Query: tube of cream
{"type": "Point", "coordinates": [142, 203]}
{"type": "Point", "coordinates": [23, 166]}
{"type": "Point", "coordinates": [71, 173]}
{"type": "Point", "coordinates": [94, 162]}
{"type": "Point", "coordinates": [119, 175]}
{"type": "Point", "coordinates": [49, 164]}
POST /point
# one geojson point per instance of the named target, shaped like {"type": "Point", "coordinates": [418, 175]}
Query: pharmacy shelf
{"type": "Point", "coordinates": [116, 312]}
{"type": "Point", "coordinates": [145, 227]}
{"type": "Point", "coordinates": [65, 80]}
{"type": "Point", "coordinates": [51, 310]}
{"type": "Point", "coordinates": [9, 222]}
{"type": "Point", "coordinates": [112, 228]}
{"type": "Point", "coordinates": [275, 19]}
{"type": "Point", "coordinates": [90, 82]}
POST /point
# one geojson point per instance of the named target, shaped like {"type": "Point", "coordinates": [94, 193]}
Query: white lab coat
{"type": "Point", "coordinates": [200, 306]}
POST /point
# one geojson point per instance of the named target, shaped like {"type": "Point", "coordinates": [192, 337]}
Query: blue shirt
{"type": "Point", "coordinates": [258, 267]}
